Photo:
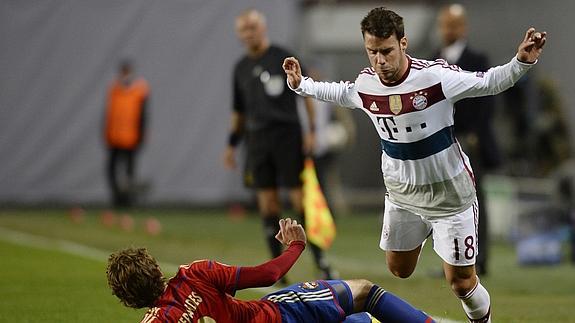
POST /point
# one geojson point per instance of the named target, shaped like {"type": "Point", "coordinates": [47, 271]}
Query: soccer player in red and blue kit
{"type": "Point", "coordinates": [203, 291]}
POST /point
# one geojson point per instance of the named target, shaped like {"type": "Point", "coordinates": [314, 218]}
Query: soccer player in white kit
{"type": "Point", "coordinates": [429, 181]}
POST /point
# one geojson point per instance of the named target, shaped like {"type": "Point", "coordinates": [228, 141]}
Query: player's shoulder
{"type": "Point", "coordinates": [437, 65]}
{"type": "Point", "coordinates": [204, 265]}
{"type": "Point", "coordinates": [367, 71]}
{"type": "Point", "coordinates": [366, 74]}
{"type": "Point", "coordinates": [420, 62]}
{"type": "Point", "coordinates": [367, 80]}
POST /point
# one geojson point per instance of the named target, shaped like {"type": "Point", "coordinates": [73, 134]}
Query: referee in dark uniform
{"type": "Point", "coordinates": [265, 115]}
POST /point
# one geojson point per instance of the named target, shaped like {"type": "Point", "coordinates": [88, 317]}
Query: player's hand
{"type": "Point", "coordinates": [230, 158]}
{"type": "Point", "coordinates": [293, 71]}
{"type": "Point", "coordinates": [531, 46]}
{"type": "Point", "coordinates": [290, 231]}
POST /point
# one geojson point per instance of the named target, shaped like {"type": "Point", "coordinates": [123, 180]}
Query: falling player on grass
{"type": "Point", "coordinates": [429, 181]}
{"type": "Point", "coordinates": [203, 291]}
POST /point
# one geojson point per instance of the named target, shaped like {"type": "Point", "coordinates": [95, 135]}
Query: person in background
{"type": "Point", "coordinates": [265, 114]}
{"type": "Point", "coordinates": [203, 291]}
{"type": "Point", "coordinates": [125, 125]}
{"type": "Point", "coordinates": [473, 116]}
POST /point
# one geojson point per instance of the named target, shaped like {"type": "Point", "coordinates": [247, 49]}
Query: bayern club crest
{"type": "Point", "coordinates": [419, 102]}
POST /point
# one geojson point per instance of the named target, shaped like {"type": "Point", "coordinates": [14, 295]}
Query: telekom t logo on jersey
{"type": "Point", "coordinates": [387, 124]}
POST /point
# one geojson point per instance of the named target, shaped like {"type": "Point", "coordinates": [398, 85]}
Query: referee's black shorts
{"type": "Point", "coordinates": [275, 157]}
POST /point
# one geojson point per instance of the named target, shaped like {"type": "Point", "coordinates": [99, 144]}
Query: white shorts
{"type": "Point", "coordinates": [454, 236]}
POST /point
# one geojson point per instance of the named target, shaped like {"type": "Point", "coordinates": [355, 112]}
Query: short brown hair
{"type": "Point", "coordinates": [135, 277]}
{"type": "Point", "coordinates": [383, 23]}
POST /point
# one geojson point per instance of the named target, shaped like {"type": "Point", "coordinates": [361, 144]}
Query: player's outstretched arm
{"type": "Point", "coordinates": [531, 46]}
{"type": "Point", "coordinates": [292, 69]}
{"type": "Point", "coordinates": [291, 234]}
{"type": "Point", "coordinates": [499, 78]}
{"type": "Point", "coordinates": [341, 93]}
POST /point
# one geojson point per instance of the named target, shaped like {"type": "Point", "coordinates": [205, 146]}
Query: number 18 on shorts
{"type": "Point", "coordinates": [454, 236]}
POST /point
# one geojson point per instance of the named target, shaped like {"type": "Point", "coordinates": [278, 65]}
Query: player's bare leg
{"type": "Point", "coordinates": [296, 199]}
{"type": "Point", "coordinates": [466, 286]}
{"type": "Point", "coordinates": [402, 263]}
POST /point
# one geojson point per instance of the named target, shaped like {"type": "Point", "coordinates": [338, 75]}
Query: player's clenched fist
{"type": "Point", "coordinates": [290, 231]}
{"type": "Point", "coordinates": [293, 71]}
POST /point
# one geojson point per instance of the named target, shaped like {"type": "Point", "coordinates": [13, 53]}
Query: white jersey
{"type": "Point", "coordinates": [424, 169]}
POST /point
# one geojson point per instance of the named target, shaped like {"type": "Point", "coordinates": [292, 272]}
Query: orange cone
{"type": "Point", "coordinates": [153, 226]}
{"type": "Point", "coordinates": [108, 218]}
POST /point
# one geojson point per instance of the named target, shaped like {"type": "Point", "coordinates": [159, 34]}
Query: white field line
{"type": "Point", "coordinates": [80, 250]}
{"type": "Point", "coordinates": [70, 247]}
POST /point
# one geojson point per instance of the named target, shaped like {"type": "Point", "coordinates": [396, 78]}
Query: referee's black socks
{"type": "Point", "coordinates": [271, 228]}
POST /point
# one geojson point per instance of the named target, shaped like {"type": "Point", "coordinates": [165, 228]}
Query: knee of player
{"type": "Point", "coordinates": [364, 286]}
{"type": "Point", "coordinates": [399, 271]}
{"type": "Point", "coordinates": [360, 289]}
{"type": "Point", "coordinates": [402, 274]}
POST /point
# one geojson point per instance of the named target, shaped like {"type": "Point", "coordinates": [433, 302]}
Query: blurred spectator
{"type": "Point", "coordinates": [518, 115]}
{"type": "Point", "coordinates": [553, 152]}
{"type": "Point", "coordinates": [473, 116]}
{"type": "Point", "coordinates": [539, 136]}
{"type": "Point", "coordinates": [265, 113]}
{"type": "Point", "coordinates": [124, 131]}
{"type": "Point", "coordinates": [551, 136]}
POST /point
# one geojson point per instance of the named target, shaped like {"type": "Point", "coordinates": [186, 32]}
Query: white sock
{"type": "Point", "coordinates": [477, 304]}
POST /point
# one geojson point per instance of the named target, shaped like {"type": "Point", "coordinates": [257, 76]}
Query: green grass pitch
{"type": "Point", "coordinates": [53, 269]}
